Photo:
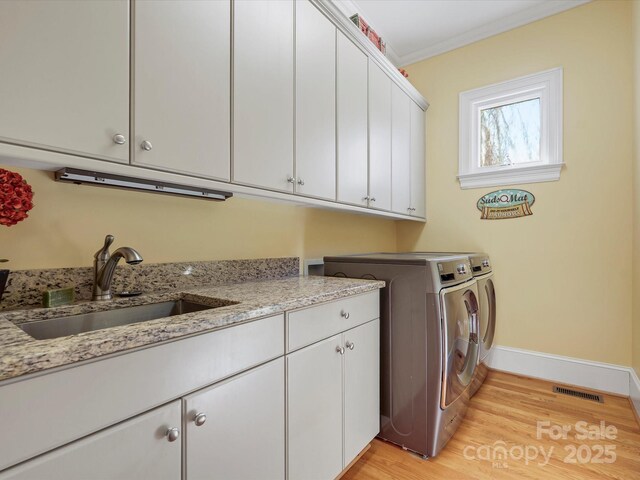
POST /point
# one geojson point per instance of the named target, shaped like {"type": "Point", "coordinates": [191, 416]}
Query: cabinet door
{"type": "Point", "coordinates": [315, 103]}
{"type": "Point", "coordinates": [361, 388]}
{"type": "Point", "coordinates": [65, 76]}
{"type": "Point", "coordinates": [137, 448]}
{"type": "Point", "coordinates": [314, 405]}
{"type": "Point", "coordinates": [400, 151]}
{"type": "Point", "coordinates": [418, 161]}
{"type": "Point", "coordinates": [263, 94]}
{"type": "Point", "coordinates": [182, 86]}
{"type": "Point", "coordinates": [379, 138]}
{"type": "Point", "coordinates": [243, 434]}
{"type": "Point", "coordinates": [352, 122]}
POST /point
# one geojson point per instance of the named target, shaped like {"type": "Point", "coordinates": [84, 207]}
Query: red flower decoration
{"type": "Point", "coordinates": [16, 198]}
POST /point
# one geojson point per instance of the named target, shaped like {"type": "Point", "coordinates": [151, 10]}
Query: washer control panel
{"type": "Point", "coordinates": [454, 271]}
{"type": "Point", "coordinates": [480, 263]}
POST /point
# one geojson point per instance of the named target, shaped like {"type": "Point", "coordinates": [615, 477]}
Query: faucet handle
{"type": "Point", "coordinates": [103, 253]}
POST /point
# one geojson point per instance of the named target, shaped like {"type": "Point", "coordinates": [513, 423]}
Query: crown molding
{"type": "Point", "coordinates": [519, 19]}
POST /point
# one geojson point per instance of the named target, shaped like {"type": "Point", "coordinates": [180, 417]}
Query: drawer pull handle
{"type": "Point", "coordinates": [173, 434]}
{"type": "Point", "coordinates": [351, 345]}
{"type": "Point", "coordinates": [344, 314]}
{"type": "Point", "coordinates": [340, 350]}
{"type": "Point", "coordinates": [200, 419]}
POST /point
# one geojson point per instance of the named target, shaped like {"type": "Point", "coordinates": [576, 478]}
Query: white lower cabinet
{"type": "Point", "coordinates": [333, 392]}
{"type": "Point", "coordinates": [140, 448]}
{"type": "Point", "coordinates": [235, 405]}
{"type": "Point", "coordinates": [235, 430]}
{"type": "Point", "coordinates": [314, 405]}
{"type": "Point", "coordinates": [361, 388]}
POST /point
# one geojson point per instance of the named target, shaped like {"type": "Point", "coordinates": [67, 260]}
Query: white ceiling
{"type": "Point", "coordinates": [418, 29]}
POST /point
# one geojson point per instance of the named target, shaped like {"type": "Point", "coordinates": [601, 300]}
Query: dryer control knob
{"type": "Point", "coordinates": [485, 263]}
{"type": "Point", "coordinates": [462, 269]}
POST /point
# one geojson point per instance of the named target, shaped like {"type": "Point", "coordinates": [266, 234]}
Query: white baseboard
{"type": "Point", "coordinates": [634, 390]}
{"type": "Point", "coordinates": [574, 371]}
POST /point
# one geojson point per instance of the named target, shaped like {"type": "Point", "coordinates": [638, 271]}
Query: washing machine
{"type": "Point", "coordinates": [483, 273]}
{"type": "Point", "coordinates": [429, 342]}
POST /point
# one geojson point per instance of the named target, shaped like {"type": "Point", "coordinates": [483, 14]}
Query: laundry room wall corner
{"type": "Point", "coordinates": [636, 194]}
{"type": "Point", "coordinates": [563, 275]}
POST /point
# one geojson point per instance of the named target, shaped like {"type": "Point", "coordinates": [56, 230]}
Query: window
{"type": "Point", "coordinates": [511, 132]}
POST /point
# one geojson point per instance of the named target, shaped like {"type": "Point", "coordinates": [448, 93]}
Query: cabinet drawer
{"type": "Point", "coordinates": [53, 409]}
{"type": "Point", "coordinates": [313, 324]}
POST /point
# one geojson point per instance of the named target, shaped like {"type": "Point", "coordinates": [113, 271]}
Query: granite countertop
{"type": "Point", "coordinates": [20, 354]}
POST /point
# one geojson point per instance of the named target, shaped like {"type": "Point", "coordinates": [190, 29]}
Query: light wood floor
{"type": "Point", "coordinates": [507, 409]}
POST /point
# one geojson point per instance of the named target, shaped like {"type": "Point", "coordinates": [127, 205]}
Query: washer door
{"type": "Point", "coordinates": [486, 314]}
{"type": "Point", "coordinates": [459, 319]}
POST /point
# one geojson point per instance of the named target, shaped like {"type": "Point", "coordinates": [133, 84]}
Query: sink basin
{"type": "Point", "coordinates": [87, 322]}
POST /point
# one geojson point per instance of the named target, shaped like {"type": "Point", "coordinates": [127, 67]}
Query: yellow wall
{"type": "Point", "coordinates": [564, 274]}
{"type": "Point", "coordinates": [636, 191]}
{"type": "Point", "coordinates": [69, 222]}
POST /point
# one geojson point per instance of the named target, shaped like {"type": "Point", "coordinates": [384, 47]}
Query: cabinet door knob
{"type": "Point", "coordinates": [372, 199]}
{"type": "Point", "coordinates": [351, 345]}
{"type": "Point", "coordinates": [146, 145]}
{"type": "Point", "coordinates": [200, 419]}
{"type": "Point", "coordinates": [344, 314]}
{"type": "Point", "coordinates": [300, 181]}
{"type": "Point", "coordinates": [291, 179]}
{"type": "Point", "coordinates": [119, 139]}
{"type": "Point", "coordinates": [173, 434]}
{"type": "Point", "coordinates": [365, 199]}
{"type": "Point", "coordinates": [340, 350]}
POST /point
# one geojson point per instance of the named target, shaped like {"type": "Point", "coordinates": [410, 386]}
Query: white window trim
{"type": "Point", "coordinates": [545, 85]}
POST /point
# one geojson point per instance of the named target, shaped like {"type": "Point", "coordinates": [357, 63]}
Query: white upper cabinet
{"type": "Point", "coordinates": [263, 94]}
{"type": "Point", "coordinates": [182, 87]}
{"type": "Point", "coordinates": [379, 138]}
{"type": "Point", "coordinates": [352, 122]}
{"type": "Point", "coordinates": [418, 162]}
{"type": "Point", "coordinates": [315, 103]}
{"type": "Point", "coordinates": [65, 76]}
{"type": "Point", "coordinates": [400, 151]}
{"type": "Point", "coordinates": [275, 98]}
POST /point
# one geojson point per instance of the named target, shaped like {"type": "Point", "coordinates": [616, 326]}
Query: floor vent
{"type": "Point", "coordinates": [579, 394]}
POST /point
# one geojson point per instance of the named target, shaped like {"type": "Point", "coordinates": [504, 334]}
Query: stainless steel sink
{"type": "Point", "coordinates": [87, 322]}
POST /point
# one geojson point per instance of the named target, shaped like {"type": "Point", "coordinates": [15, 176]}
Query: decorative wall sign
{"type": "Point", "coordinates": [506, 204]}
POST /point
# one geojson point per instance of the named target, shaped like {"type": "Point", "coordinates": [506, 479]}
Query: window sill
{"type": "Point", "coordinates": [511, 176]}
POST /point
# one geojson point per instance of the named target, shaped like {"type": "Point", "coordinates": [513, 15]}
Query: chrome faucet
{"type": "Point", "coordinates": [104, 265]}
